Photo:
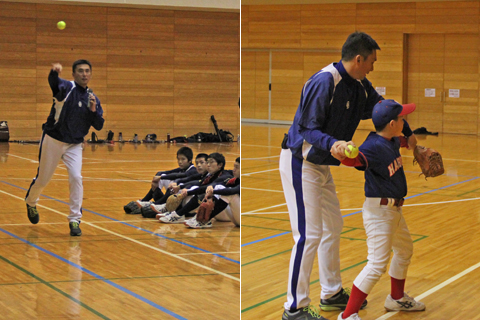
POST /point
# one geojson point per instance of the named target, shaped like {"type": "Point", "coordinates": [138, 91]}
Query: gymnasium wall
{"type": "Point", "coordinates": [299, 40]}
{"type": "Point", "coordinates": [154, 70]}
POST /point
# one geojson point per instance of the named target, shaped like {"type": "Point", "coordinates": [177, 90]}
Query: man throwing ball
{"type": "Point", "coordinates": [75, 109]}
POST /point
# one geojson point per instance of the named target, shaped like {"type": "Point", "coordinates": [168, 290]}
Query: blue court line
{"type": "Point", "coordinates": [138, 228]}
{"type": "Point", "coordinates": [274, 236]}
{"type": "Point", "coordinates": [351, 214]}
{"type": "Point", "coordinates": [133, 294]}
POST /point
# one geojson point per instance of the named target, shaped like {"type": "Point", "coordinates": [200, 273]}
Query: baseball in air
{"type": "Point", "coordinates": [61, 25]}
{"type": "Point", "coordinates": [351, 151]}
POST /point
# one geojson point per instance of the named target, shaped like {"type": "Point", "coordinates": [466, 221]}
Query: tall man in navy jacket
{"type": "Point", "coordinates": [332, 103]}
{"type": "Point", "coordinates": [75, 109]}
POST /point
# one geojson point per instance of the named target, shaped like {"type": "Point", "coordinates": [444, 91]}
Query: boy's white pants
{"type": "Point", "coordinates": [316, 223]}
{"type": "Point", "coordinates": [386, 230]}
{"type": "Point", "coordinates": [51, 151]}
{"type": "Point", "coordinates": [232, 211]}
{"type": "Point", "coordinates": [164, 184]}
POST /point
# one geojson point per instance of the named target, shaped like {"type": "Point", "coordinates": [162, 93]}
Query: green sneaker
{"type": "Point", "coordinates": [32, 214]}
{"type": "Point", "coordinates": [338, 301]}
{"type": "Point", "coordinates": [75, 228]}
{"type": "Point", "coordinates": [307, 313]}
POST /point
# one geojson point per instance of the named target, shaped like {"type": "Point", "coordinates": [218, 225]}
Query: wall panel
{"type": "Point", "coordinates": [155, 71]}
{"type": "Point", "coordinates": [324, 28]}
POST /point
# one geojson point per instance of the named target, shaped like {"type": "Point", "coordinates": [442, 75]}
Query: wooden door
{"type": "Point", "coordinates": [440, 68]}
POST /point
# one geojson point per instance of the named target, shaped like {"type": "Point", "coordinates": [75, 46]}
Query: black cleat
{"type": "Point", "coordinates": [33, 214]}
{"type": "Point", "coordinates": [338, 301]}
{"type": "Point", "coordinates": [307, 313]}
{"type": "Point", "coordinates": [75, 228]}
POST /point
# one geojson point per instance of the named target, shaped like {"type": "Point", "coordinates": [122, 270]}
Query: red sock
{"type": "Point", "coordinates": [355, 302]}
{"type": "Point", "coordinates": [398, 288]}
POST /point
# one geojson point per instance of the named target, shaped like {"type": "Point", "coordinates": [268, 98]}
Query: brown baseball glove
{"type": "Point", "coordinates": [429, 160]}
{"type": "Point", "coordinates": [173, 202]}
{"type": "Point", "coordinates": [205, 210]}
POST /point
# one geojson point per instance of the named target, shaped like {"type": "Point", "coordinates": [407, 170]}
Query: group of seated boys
{"type": "Point", "coordinates": [191, 184]}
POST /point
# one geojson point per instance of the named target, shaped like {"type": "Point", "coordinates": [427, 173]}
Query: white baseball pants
{"type": "Point", "coordinates": [164, 184]}
{"type": "Point", "coordinates": [316, 223]}
{"type": "Point", "coordinates": [386, 230]}
{"type": "Point", "coordinates": [51, 151]}
{"type": "Point", "coordinates": [232, 211]}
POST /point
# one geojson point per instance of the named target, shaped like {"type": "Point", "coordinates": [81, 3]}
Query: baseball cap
{"type": "Point", "coordinates": [387, 110]}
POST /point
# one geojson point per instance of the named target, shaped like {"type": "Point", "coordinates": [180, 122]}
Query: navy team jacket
{"type": "Point", "coordinates": [331, 107]}
{"type": "Point", "coordinates": [70, 119]}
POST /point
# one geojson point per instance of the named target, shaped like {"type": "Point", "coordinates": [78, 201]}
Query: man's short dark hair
{"type": "Point", "coordinates": [81, 61]}
{"type": "Point", "coordinates": [237, 160]}
{"type": "Point", "coordinates": [380, 128]}
{"type": "Point", "coordinates": [358, 43]}
{"type": "Point", "coordinates": [218, 157]}
{"type": "Point", "coordinates": [187, 152]}
{"type": "Point", "coordinates": [202, 155]}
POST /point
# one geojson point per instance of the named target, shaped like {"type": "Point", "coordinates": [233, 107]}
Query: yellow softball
{"type": "Point", "coordinates": [351, 151]}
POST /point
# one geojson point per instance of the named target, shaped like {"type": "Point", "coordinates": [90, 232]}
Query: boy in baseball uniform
{"type": "Point", "coordinates": [385, 189]}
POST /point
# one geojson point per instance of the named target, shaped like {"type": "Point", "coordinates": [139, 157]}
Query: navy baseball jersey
{"type": "Point", "coordinates": [70, 118]}
{"type": "Point", "coordinates": [384, 175]}
{"type": "Point", "coordinates": [331, 106]}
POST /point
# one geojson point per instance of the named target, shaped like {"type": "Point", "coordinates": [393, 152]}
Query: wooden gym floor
{"type": "Point", "coordinates": [123, 266]}
{"type": "Point", "coordinates": [443, 215]}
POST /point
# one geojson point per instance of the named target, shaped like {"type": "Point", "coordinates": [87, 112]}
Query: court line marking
{"type": "Point", "coordinates": [260, 158]}
{"type": "Point", "coordinates": [190, 254]}
{"type": "Point", "coordinates": [15, 156]}
{"type": "Point", "coordinates": [311, 282]}
{"type": "Point", "coordinates": [406, 205]}
{"type": "Point", "coordinates": [413, 196]}
{"type": "Point", "coordinates": [130, 225]}
{"type": "Point", "coordinates": [139, 242]}
{"type": "Point", "coordinates": [93, 274]}
{"type": "Point", "coordinates": [262, 189]}
{"type": "Point", "coordinates": [350, 214]}
{"type": "Point", "coordinates": [436, 288]}
{"type": "Point", "coordinates": [251, 173]}
{"type": "Point", "coordinates": [51, 286]}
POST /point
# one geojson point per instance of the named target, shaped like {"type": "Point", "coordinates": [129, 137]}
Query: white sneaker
{"type": "Point", "coordinates": [141, 204]}
{"type": "Point", "coordinates": [354, 316]}
{"type": "Point", "coordinates": [159, 208]}
{"type": "Point", "coordinates": [405, 304]}
{"type": "Point", "coordinates": [194, 224]}
{"type": "Point", "coordinates": [173, 217]}
{"type": "Point", "coordinates": [161, 215]}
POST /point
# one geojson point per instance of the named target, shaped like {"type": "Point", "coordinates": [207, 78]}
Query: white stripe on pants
{"type": "Point", "coordinates": [316, 223]}
{"type": "Point", "coordinates": [51, 151]}
{"type": "Point", "coordinates": [386, 229]}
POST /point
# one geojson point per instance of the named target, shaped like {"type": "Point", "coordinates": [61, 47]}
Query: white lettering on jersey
{"type": "Point", "coordinates": [395, 166]}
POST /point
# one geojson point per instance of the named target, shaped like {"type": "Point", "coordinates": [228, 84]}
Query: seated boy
{"type": "Point", "coordinates": [216, 175]}
{"type": "Point", "coordinates": [163, 179]}
{"type": "Point", "coordinates": [225, 194]}
{"type": "Point", "coordinates": [158, 207]}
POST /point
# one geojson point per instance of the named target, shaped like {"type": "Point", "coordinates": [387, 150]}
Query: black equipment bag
{"type": "Point", "coordinates": [4, 133]}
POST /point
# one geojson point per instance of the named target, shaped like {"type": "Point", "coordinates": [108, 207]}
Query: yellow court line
{"type": "Point", "coordinates": [135, 241]}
